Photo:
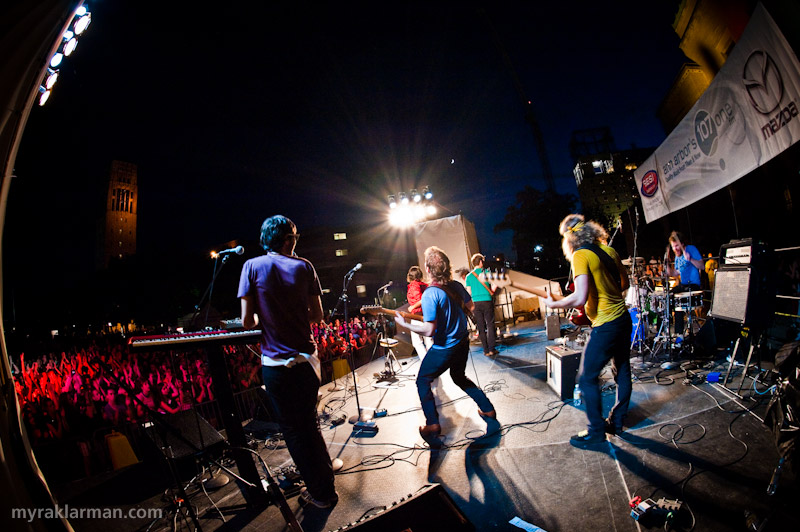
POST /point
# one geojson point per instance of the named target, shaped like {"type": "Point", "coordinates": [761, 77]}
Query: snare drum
{"type": "Point", "coordinates": [688, 301]}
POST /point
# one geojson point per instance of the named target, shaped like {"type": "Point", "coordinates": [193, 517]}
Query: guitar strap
{"type": "Point", "coordinates": [606, 261]}
{"type": "Point", "coordinates": [488, 288]}
{"type": "Point", "coordinates": [456, 299]}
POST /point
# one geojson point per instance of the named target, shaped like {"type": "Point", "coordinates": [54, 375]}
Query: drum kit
{"type": "Point", "coordinates": [651, 303]}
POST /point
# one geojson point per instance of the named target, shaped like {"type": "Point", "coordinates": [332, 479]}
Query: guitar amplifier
{"type": "Point", "coordinates": [562, 369]}
{"type": "Point", "coordinates": [744, 285]}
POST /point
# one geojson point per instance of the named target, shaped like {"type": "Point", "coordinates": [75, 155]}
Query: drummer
{"type": "Point", "coordinates": [683, 261]}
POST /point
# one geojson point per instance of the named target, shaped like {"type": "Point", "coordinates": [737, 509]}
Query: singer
{"type": "Point", "coordinates": [280, 292]}
{"type": "Point", "coordinates": [444, 303]}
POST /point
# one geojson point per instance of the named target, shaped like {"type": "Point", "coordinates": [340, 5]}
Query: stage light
{"type": "Point", "coordinates": [56, 59]}
{"type": "Point", "coordinates": [538, 248]}
{"type": "Point", "coordinates": [427, 193]}
{"type": "Point", "coordinates": [403, 198]}
{"type": "Point", "coordinates": [431, 210]}
{"type": "Point", "coordinates": [44, 95]}
{"type": "Point", "coordinates": [69, 46]}
{"type": "Point", "coordinates": [83, 22]}
{"type": "Point", "coordinates": [50, 79]}
{"type": "Point", "coordinates": [392, 201]}
{"type": "Point", "coordinates": [416, 196]}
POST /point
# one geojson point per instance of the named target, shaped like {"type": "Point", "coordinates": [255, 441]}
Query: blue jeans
{"type": "Point", "coordinates": [293, 395]}
{"type": "Point", "coordinates": [436, 362]}
{"type": "Point", "coordinates": [610, 341]}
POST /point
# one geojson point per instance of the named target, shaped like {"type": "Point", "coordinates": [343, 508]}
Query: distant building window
{"type": "Point", "coordinates": [361, 290]}
{"type": "Point", "coordinates": [340, 236]}
{"type": "Point", "coordinates": [341, 252]}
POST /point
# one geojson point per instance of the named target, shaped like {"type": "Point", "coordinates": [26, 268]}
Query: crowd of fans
{"type": "Point", "coordinates": [104, 384]}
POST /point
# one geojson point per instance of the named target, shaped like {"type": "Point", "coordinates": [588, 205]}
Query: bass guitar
{"type": "Point", "coordinates": [375, 310]}
{"type": "Point", "coordinates": [499, 279]}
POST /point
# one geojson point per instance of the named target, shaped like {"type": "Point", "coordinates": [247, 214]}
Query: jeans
{"type": "Point", "coordinates": [293, 395]}
{"type": "Point", "coordinates": [436, 362]}
{"type": "Point", "coordinates": [484, 322]}
{"type": "Point", "coordinates": [610, 341]}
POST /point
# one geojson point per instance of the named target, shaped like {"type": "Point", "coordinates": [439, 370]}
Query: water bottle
{"type": "Point", "coordinates": [576, 396]}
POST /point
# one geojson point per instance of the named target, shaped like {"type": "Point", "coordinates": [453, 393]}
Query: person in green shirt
{"type": "Point", "coordinates": [484, 305]}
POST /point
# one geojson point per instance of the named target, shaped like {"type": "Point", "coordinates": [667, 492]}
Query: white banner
{"type": "Point", "coordinates": [747, 116]}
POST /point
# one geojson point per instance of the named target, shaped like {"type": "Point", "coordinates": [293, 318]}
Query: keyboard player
{"type": "Point", "coordinates": [281, 294]}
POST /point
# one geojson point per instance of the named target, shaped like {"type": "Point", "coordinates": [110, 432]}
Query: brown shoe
{"type": "Point", "coordinates": [492, 414]}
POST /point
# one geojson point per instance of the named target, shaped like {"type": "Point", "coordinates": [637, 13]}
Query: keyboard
{"type": "Point", "coordinates": [195, 339]}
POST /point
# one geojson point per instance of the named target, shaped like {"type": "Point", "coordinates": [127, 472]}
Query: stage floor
{"type": "Point", "coordinates": [698, 443]}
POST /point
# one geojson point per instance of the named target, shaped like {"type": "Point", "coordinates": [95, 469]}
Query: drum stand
{"type": "Point", "coordinates": [640, 327]}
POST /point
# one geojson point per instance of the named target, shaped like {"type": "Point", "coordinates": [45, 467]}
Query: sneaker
{"type": "Point", "coordinates": [584, 438]}
{"type": "Point", "coordinates": [430, 433]}
{"type": "Point", "coordinates": [306, 498]}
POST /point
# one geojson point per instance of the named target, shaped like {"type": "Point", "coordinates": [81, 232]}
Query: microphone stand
{"type": "Point", "coordinates": [209, 291]}
{"type": "Point", "coordinates": [361, 425]}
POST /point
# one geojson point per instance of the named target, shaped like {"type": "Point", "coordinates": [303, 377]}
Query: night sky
{"type": "Point", "coordinates": [318, 113]}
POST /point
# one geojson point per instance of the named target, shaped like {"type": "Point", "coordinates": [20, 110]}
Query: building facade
{"type": "Point", "coordinates": [119, 222]}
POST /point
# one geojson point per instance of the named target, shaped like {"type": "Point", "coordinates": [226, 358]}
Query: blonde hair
{"type": "Point", "coordinates": [576, 232]}
{"type": "Point", "coordinates": [438, 265]}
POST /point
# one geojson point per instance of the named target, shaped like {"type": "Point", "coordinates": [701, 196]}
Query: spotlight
{"type": "Point", "coordinates": [69, 46]}
{"type": "Point", "coordinates": [431, 209]}
{"type": "Point", "coordinates": [416, 196]}
{"type": "Point", "coordinates": [44, 95]}
{"type": "Point", "coordinates": [427, 193]}
{"type": "Point", "coordinates": [392, 201]}
{"type": "Point", "coordinates": [403, 198]}
{"type": "Point", "coordinates": [56, 59]}
{"type": "Point", "coordinates": [82, 23]}
{"type": "Point", "coordinates": [50, 79]}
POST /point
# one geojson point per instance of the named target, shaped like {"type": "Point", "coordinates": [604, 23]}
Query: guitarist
{"type": "Point", "coordinates": [482, 296]}
{"type": "Point", "coordinates": [600, 280]}
{"type": "Point", "coordinates": [444, 307]}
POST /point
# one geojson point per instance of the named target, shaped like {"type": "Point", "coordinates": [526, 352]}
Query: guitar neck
{"type": "Point", "coordinates": [535, 291]}
{"type": "Point", "coordinates": [391, 312]}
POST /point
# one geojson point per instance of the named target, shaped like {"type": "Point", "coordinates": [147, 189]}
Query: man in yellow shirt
{"type": "Point", "coordinates": [600, 280]}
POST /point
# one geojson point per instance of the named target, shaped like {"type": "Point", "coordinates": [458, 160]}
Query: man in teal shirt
{"type": "Point", "coordinates": [482, 294]}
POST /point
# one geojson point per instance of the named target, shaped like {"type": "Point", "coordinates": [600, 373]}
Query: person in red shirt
{"type": "Point", "coordinates": [414, 294]}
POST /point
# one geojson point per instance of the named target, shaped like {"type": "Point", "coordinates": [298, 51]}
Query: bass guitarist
{"type": "Point", "coordinates": [600, 280]}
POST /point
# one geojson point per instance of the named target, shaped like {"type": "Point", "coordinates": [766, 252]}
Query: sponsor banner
{"type": "Point", "coordinates": [747, 116]}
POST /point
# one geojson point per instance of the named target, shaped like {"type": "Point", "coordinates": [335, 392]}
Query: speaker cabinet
{"type": "Point", "coordinates": [744, 285]}
{"type": "Point", "coordinates": [562, 369]}
{"type": "Point", "coordinates": [429, 510]}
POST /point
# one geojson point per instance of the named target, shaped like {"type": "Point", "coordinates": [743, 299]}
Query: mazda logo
{"type": "Point", "coordinates": [763, 82]}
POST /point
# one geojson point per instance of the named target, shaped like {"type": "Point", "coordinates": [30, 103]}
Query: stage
{"type": "Point", "coordinates": [686, 440]}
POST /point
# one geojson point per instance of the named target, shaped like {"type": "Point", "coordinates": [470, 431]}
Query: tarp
{"type": "Point", "coordinates": [455, 235]}
{"type": "Point", "coordinates": [747, 116]}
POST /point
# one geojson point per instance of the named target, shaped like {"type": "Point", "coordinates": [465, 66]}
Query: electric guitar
{"type": "Point", "coordinates": [375, 310]}
{"type": "Point", "coordinates": [499, 279]}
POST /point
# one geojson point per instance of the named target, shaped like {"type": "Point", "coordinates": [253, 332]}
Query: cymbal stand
{"type": "Point", "coordinates": [664, 336]}
{"type": "Point", "coordinates": [640, 327]}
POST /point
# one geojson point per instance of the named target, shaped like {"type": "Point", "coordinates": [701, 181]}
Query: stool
{"type": "Point", "coordinates": [391, 359]}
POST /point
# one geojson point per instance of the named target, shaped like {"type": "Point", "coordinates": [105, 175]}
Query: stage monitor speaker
{"type": "Point", "coordinates": [744, 285]}
{"type": "Point", "coordinates": [429, 510]}
{"type": "Point", "coordinates": [185, 425]}
{"type": "Point", "coordinates": [562, 369]}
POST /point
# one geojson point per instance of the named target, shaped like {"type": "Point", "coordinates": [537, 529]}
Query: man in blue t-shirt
{"type": "Point", "coordinates": [687, 266]}
{"type": "Point", "coordinates": [484, 305]}
{"type": "Point", "coordinates": [443, 317]}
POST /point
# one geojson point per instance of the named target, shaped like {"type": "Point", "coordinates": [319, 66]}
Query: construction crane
{"type": "Point", "coordinates": [530, 116]}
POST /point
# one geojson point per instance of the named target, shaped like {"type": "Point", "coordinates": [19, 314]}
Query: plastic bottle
{"type": "Point", "coordinates": [576, 396]}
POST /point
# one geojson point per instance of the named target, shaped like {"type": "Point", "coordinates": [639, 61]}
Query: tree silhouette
{"type": "Point", "coordinates": [534, 222]}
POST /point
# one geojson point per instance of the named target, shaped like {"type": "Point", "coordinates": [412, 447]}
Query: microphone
{"type": "Point", "coordinates": [384, 287]}
{"type": "Point", "coordinates": [238, 250]}
{"type": "Point", "coordinates": [355, 269]}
